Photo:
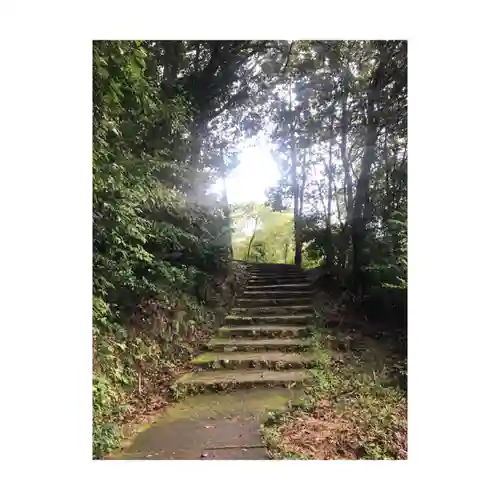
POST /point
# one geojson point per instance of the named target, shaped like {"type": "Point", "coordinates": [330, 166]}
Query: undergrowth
{"type": "Point", "coordinates": [134, 365]}
{"type": "Point", "coordinates": [161, 242]}
{"type": "Point", "coordinates": [354, 408]}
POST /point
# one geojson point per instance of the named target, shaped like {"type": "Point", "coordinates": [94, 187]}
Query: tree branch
{"type": "Point", "coordinates": [337, 204]}
{"type": "Point", "coordinates": [287, 60]}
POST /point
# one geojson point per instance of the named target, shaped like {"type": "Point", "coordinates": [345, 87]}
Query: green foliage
{"type": "Point", "coordinates": [339, 115]}
{"type": "Point", "coordinates": [389, 269]}
{"type": "Point", "coordinates": [262, 235]}
{"type": "Point", "coordinates": [157, 253]}
{"type": "Point", "coordinates": [399, 253]}
{"type": "Point", "coordinates": [353, 409]}
{"type": "Point", "coordinates": [317, 240]}
{"type": "Point", "coordinates": [164, 116]}
{"type": "Point", "coordinates": [106, 404]}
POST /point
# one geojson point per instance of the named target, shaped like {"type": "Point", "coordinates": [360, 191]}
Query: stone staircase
{"type": "Point", "coordinates": [265, 340]}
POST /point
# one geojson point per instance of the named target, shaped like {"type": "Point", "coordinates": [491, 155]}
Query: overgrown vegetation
{"type": "Point", "coordinates": [161, 244]}
{"type": "Point", "coordinates": [354, 408]}
{"type": "Point", "coordinates": [335, 113]}
{"type": "Point", "coordinates": [338, 121]}
{"type": "Point", "coordinates": [167, 116]}
{"type": "Point", "coordinates": [261, 234]}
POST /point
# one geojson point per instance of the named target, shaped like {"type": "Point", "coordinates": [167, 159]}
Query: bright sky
{"type": "Point", "coordinates": [256, 172]}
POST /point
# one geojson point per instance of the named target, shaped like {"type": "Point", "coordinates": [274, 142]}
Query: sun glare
{"type": "Point", "coordinates": [256, 172]}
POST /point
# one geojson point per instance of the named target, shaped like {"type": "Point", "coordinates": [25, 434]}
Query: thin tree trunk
{"type": "Point", "coordinates": [387, 205]}
{"type": "Point", "coordinates": [328, 219]}
{"type": "Point", "coordinates": [343, 245]}
{"type": "Point", "coordinates": [320, 193]}
{"type": "Point", "coordinates": [301, 188]}
{"type": "Point", "coordinates": [302, 185]}
{"type": "Point", "coordinates": [346, 165]}
{"type": "Point", "coordinates": [295, 186]}
{"type": "Point", "coordinates": [339, 213]}
{"type": "Point", "coordinates": [344, 125]}
{"type": "Point", "coordinates": [362, 190]}
{"type": "Point", "coordinates": [228, 240]}
{"type": "Point", "coordinates": [252, 238]}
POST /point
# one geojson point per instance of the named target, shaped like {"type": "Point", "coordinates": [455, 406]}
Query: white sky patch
{"type": "Point", "coordinates": [256, 172]}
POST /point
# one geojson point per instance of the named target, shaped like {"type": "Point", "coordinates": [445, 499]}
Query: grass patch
{"type": "Point", "coordinates": [355, 408]}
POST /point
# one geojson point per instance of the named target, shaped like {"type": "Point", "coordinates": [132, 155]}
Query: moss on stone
{"type": "Point", "coordinates": [204, 358]}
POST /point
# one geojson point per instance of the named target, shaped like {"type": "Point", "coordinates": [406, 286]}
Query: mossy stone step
{"type": "Point", "coordinates": [295, 287]}
{"type": "Point", "coordinates": [267, 330]}
{"type": "Point", "coordinates": [293, 319]}
{"type": "Point", "coordinates": [272, 310]}
{"type": "Point", "coordinates": [274, 360]}
{"type": "Point", "coordinates": [267, 273]}
{"type": "Point", "coordinates": [275, 272]}
{"type": "Point", "coordinates": [283, 344]}
{"type": "Point", "coordinates": [274, 268]}
{"type": "Point", "coordinates": [277, 277]}
{"type": "Point", "coordinates": [277, 282]}
{"type": "Point", "coordinates": [276, 294]}
{"type": "Point", "coordinates": [272, 301]}
{"type": "Point", "coordinates": [225, 379]}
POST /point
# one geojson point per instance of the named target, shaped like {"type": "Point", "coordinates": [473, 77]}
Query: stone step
{"type": "Point", "coordinates": [274, 360]}
{"type": "Point", "coordinates": [276, 281]}
{"type": "Point", "coordinates": [272, 301]}
{"type": "Point", "coordinates": [263, 331]}
{"type": "Point", "coordinates": [291, 274]}
{"type": "Point", "coordinates": [270, 276]}
{"type": "Point", "coordinates": [278, 290]}
{"type": "Point", "coordinates": [290, 270]}
{"type": "Point", "coordinates": [224, 379]}
{"type": "Point", "coordinates": [275, 269]}
{"type": "Point", "coordinates": [271, 280]}
{"type": "Point", "coordinates": [272, 266]}
{"type": "Point", "coordinates": [272, 310]}
{"type": "Point", "coordinates": [284, 294]}
{"type": "Point", "coordinates": [244, 344]}
{"type": "Point", "coordinates": [293, 319]}
{"type": "Point", "coordinates": [285, 287]}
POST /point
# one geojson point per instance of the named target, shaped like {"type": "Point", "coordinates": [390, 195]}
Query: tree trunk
{"type": "Point", "coordinates": [296, 214]}
{"type": "Point", "coordinates": [228, 240]}
{"type": "Point", "coordinates": [344, 125]}
{"type": "Point", "coordinates": [302, 187]}
{"type": "Point", "coordinates": [295, 186]}
{"type": "Point", "coordinates": [387, 209]}
{"type": "Point", "coordinates": [252, 238]}
{"type": "Point", "coordinates": [343, 246]}
{"type": "Point", "coordinates": [328, 218]}
{"type": "Point", "coordinates": [362, 191]}
{"type": "Point", "coordinates": [196, 143]}
{"type": "Point", "coordinates": [346, 165]}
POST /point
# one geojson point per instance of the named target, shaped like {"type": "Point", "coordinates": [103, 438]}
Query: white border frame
{"type": "Point", "coordinates": [46, 248]}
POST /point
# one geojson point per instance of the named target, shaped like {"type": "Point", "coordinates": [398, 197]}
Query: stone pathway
{"type": "Point", "coordinates": [263, 351]}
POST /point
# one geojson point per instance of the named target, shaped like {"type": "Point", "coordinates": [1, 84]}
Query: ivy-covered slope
{"type": "Point", "coordinates": [161, 268]}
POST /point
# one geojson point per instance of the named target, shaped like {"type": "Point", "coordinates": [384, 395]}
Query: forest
{"type": "Point", "coordinates": [167, 250]}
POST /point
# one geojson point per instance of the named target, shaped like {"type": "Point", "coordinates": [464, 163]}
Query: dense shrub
{"type": "Point", "coordinates": [158, 264]}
